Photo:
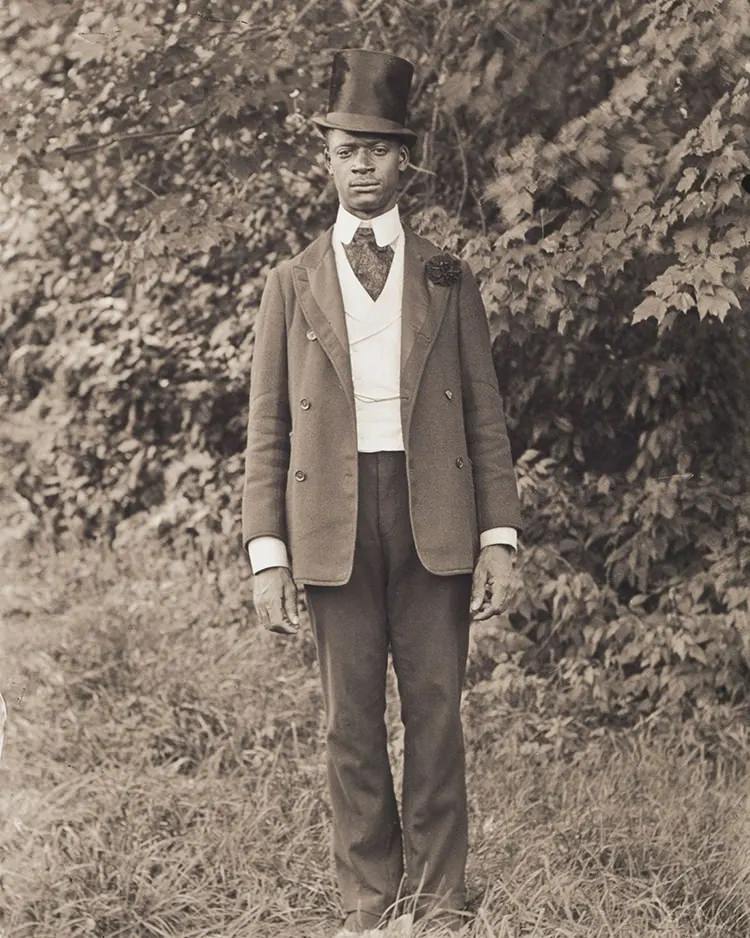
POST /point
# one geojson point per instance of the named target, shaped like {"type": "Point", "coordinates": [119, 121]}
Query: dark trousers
{"type": "Point", "coordinates": [393, 603]}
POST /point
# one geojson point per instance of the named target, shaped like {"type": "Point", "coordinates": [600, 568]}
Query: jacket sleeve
{"type": "Point", "coordinates": [486, 433]}
{"type": "Point", "coordinates": [268, 423]}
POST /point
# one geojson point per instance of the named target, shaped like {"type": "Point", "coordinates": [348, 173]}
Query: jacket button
{"type": "Point", "coordinates": [460, 462]}
{"type": "Point", "coordinates": [449, 394]}
{"type": "Point", "coordinates": [311, 335]}
{"type": "Point", "coordinates": [300, 476]}
{"type": "Point", "coordinates": [304, 404]}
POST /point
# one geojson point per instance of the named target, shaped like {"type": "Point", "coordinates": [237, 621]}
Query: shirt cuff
{"type": "Point", "coordinates": [267, 551]}
{"type": "Point", "coordinates": [504, 535]}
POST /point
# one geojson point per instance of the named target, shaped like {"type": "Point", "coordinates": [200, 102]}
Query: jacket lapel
{"type": "Point", "coordinates": [317, 286]}
{"type": "Point", "coordinates": [415, 302]}
{"type": "Point", "coordinates": [422, 309]}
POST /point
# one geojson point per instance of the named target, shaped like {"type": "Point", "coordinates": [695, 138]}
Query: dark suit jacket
{"type": "Point", "coordinates": [301, 459]}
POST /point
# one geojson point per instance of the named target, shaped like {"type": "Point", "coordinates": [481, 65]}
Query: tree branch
{"type": "Point", "coordinates": [464, 165]}
{"type": "Point", "coordinates": [373, 8]}
{"type": "Point", "coordinates": [478, 200]}
{"type": "Point", "coordinates": [302, 13]}
{"type": "Point", "coordinates": [140, 135]}
{"type": "Point", "coordinates": [422, 169]}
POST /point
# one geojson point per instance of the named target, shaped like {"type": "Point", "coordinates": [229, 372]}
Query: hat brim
{"type": "Point", "coordinates": [363, 123]}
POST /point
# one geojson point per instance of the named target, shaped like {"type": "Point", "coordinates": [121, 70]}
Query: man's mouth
{"type": "Point", "coordinates": [365, 186]}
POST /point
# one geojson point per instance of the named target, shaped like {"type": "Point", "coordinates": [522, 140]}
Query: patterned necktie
{"type": "Point", "coordinates": [369, 262]}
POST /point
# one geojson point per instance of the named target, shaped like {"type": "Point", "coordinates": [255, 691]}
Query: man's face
{"type": "Point", "coordinates": [366, 170]}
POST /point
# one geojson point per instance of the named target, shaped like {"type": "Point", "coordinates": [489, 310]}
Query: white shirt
{"type": "Point", "coordinates": [374, 330]}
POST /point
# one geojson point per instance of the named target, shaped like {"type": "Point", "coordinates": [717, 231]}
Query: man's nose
{"type": "Point", "coordinates": [362, 162]}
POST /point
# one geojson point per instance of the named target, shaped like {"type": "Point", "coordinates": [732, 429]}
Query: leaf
{"type": "Point", "coordinates": [85, 48]}
{"type": "Point", "coordinates": [729, 191]}
{"type": "Point", "coordinates": [688, 178]}
{"type": "Point", "coordinates": [651, 306]}
{"type": "Point", "coordinates": [521, 203]}
{"type": "Point", "coordinates": [229, 103]}
{"type": "Point", "coordinates": [679, 646]}
{"type": "Point", "coordinates": [682, 301]}
{"type": "Point", "coordinates": [729, 295]}
{"type": "Point", "coordinates": [39, 12]}
{"type": "Point", "coordinates": [583, 189]}
{"type": "Point", "coordinates": [456, 90]}
{"type": "Point", "coordinates": [711, 305]}
{"type": "Point", "coordinates": [696, 238]}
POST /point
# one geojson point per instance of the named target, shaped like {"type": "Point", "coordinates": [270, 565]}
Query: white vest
{"type": "Point", "coordinates": [374, 330]}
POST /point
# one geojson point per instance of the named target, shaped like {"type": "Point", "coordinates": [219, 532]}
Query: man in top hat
{"type": "Point", "coordinates": [378, 467]}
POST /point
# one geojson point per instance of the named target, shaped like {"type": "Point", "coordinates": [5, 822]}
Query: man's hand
{"type": "Point", "coordinates": [491, 581]}
{"type": "Point", "coordinates": [275, 600]}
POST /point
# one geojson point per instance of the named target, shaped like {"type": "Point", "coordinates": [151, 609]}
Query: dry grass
{"type": "Point", "coordinates": [163, 776]}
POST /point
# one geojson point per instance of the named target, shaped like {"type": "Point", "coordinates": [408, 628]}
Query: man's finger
{"type": "Point", "coordinates": [478, 593]}
{"type": "Point", "coordinates": [495, 604]}
{"type": "Point", "coordinates": [290, 605]}
{"type": "Point", "coordinates": [484, 612]}
{"type": "Point", "coordinates": [275, 621]}
{"type": "Point", "coordinates": [283, 629]}
{"type": "Point", "coordinates": [261, 614]}
{"type": "Point", "coordinates": [277, 617]}
{"type": "Point", "coordinates": [500, 593]}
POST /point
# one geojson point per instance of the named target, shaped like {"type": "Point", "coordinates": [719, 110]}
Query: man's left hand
{"type": "Point", "coordinates": [491, 581]}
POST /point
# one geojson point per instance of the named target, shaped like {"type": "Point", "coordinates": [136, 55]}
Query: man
{"type": "Point", "coordinates": [378, 464]}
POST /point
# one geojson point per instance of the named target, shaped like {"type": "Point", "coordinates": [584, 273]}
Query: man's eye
{"type": "Point", "coordinates": [380, 151]}
{"type": "Point", "coordinates": [345, 153]}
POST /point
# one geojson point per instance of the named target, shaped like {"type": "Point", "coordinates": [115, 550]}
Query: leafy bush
{"type": "Point", "coordinates": [589, 160]}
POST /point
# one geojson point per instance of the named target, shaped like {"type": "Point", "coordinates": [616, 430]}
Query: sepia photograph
{"type": "Point", "coordinates": [374, 463]}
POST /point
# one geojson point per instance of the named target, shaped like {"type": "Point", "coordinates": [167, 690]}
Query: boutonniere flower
{"type": "Point", "coordinates": [443, 269]}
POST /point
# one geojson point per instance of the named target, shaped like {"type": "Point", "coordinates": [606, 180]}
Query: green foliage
{"type": "Point", "coordinates": [591, 162]}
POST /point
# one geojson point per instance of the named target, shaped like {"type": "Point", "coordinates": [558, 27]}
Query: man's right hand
{"type": "Point", "coordinates": [275, 600]}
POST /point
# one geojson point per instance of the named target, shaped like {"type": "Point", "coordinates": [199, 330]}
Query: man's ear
{"type": "Point", "coordinates": [403, 157]}
{"type": "Point", "coordinates": [327, 160]}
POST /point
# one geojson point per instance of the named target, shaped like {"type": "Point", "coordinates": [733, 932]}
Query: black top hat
{"type": "Point", "coordinates": [369, 93]}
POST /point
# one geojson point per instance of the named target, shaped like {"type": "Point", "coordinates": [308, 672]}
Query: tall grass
{"type": "Point", "coordinates": [163, 776]}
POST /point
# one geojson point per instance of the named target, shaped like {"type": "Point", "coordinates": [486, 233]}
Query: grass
{"type": "Point", "coordinates": [163, 776]}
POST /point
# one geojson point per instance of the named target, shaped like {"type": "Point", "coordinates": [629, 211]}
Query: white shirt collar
{"type": "Point", "coordinates": [387, 227]}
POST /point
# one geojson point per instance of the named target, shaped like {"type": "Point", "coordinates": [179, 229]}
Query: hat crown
{"type": "Point", "coordinates": [366, 82]}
